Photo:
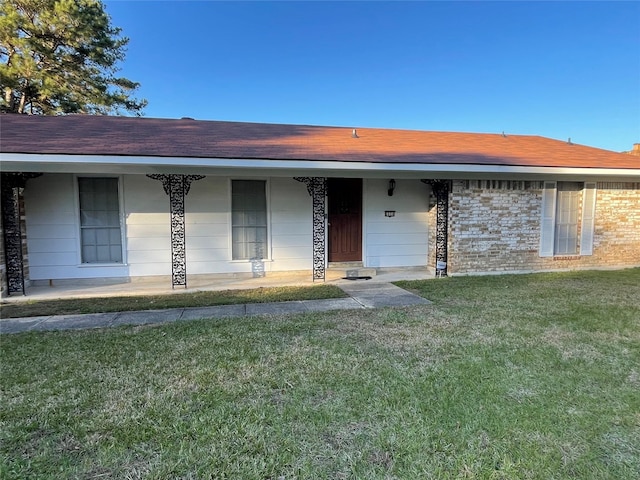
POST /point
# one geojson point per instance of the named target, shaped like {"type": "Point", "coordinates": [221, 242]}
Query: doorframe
{"type": "Point", "coordinates": [365, 187]}
{"type": "Point", "coordinates": [363, 211]}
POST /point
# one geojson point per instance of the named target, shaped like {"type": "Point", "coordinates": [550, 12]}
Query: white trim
{"type": "Point", "coordinates": [229, 214]}
{"type": "Point", "coordinates": [76, 208]}
{"type": "Point", "coordinates": [225, 166]}
{"type": "Point", "coordinates": [121, 220]}
{"type": "Point", "coordinates": [364, 212]}
{"type": "Point", "coordinates": [548, 222]}
{"type": "Point", "coordinates": [267, 193]}
{"type": "Point", "coordinates": [589, 194]}
{"type": "Point", "coordinates": [548, 219]}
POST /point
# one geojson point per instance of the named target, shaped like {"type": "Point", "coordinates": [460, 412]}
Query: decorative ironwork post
{"type": "Point", "coordinates": [12, 231]}
{"type": "Point", "coordinates": [177, 187]}
{"type": "Point", "coordinates": [317, 188]}
{"type": "Point", "coordinates": [441, 190]}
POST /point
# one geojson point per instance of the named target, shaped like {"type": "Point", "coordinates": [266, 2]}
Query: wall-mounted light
{"type": "Point", "coordinates": [392, 186]}
{"type": "Point", "coordinates": [389, 213]}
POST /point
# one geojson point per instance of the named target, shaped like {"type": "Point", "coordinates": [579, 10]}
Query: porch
{"type": "Point", "coordinates": [161, 284]}
{"type": "Point", "coordinates": [296, 231]}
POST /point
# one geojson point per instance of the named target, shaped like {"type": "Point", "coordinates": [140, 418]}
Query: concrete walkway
{"type": "Point", "coordinates": [362, 294]}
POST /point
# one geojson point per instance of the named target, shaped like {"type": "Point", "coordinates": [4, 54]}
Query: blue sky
{"type": "Point", "coordinates": [556, 69]}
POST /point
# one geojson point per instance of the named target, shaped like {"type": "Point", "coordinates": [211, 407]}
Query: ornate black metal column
{"type": "Point", "coordinates": [177, 187]}
{"type": "Point", "coordinates": [441, 190]}
{"type": "Point", "coordinates": [317, 188]}
{"type": "Point", "coordinates": [12, 231]}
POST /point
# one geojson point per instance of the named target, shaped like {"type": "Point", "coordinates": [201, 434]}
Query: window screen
{"type": "Point", "coordinates": [100, 235]}
{"type": "Point", "coordinates": [567, 218]}
{"type": "Point", "coordinates": [248, 219]}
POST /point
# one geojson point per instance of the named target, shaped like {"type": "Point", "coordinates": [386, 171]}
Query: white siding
{"type": "Point", "coordinates": [147, 225]}
{"type": "Point", "coordinates": [291, 225]}
{"type": "Point", "coordinates": [207, 227]}
{"type": "Point", "coordinates": [399, 241]}
{"type": "Point", "coordinates": [53, 231]}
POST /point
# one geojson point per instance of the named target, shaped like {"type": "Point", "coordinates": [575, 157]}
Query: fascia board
{"type": "Point", "coordinates": [224, 166]}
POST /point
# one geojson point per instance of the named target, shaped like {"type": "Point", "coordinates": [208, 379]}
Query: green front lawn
{"type": "Point", "coordinates": [531, 377]}
{"type": "Point", "coordinates": [74, 306]}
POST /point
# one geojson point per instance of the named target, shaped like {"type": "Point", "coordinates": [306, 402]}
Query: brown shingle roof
{"type": "Point", "coordinates": [135, 136]}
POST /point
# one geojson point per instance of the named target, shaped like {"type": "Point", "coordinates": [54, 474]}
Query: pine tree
{"type": "Point", "coordinates": [61, 56]}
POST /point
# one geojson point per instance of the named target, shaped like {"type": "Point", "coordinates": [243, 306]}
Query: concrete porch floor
{"type": "Point", "coordinates": [162, 285]}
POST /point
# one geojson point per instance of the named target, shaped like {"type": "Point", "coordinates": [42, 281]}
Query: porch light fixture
{"type": "Point", "coordinates": [392, 186]}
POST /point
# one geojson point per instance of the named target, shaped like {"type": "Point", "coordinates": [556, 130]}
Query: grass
{"type": "Point", "coordinates": [510, 377]}
{"type": "Point", "coordinates": [158, 302]}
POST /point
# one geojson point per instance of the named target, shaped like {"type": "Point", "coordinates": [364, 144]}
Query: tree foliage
{"type": "Point", "coordinates": [61, 56]}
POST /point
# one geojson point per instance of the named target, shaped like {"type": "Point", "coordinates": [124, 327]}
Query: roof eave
{"type": "Point", "coordinates": [85, 164]}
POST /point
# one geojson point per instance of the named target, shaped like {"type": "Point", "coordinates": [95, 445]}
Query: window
{"type": "Point", "coordinates": [248, 219]}
{"type": "Point", "coordinates": [568, 210]}
{"type": "Point", "coordinates": [567, 218]}
{"type": "Point", "coordinates": [100, 235]}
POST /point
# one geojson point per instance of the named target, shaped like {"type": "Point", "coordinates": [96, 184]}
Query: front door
{"type": "Point", "coordinates": [345, 219]}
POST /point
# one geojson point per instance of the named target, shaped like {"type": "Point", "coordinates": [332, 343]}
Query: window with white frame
{"type": "Point", "coordinates": [567, 218]}
{"type": "Point", "coordinates": [100, 233]}
{"type": "Point", "coordinates": [248, 219]}
{"type": "Point", "coordinates": [568, 210]}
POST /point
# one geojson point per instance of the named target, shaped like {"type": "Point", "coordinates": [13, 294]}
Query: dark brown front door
{"type": "Point", "coordinates": [345, 219]}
